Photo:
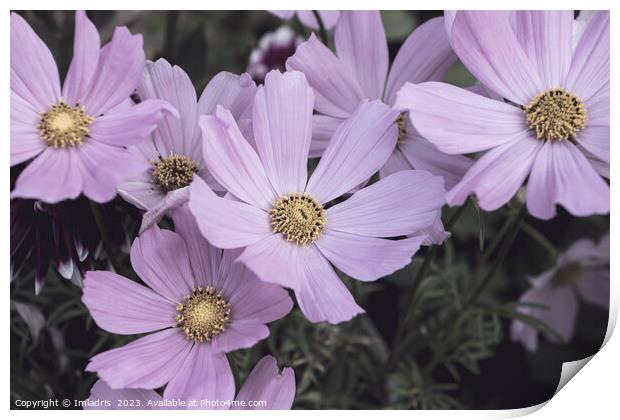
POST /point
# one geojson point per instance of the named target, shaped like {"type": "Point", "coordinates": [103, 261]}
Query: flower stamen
{"type": "Point", "coordinates": [401, 122]}
{"type": "Point", "coordinates": [299, 217]}
{"type": "Point", "coordinates": [567, 275]}
{"type": "Point", "coordinates": [173, 172]}
{"type": "Point", "coordinates": [203, 314]}
{"type": "Point", "coordinates": [556, 114]}
{"type": "Point", "coordinates": [64, 125]}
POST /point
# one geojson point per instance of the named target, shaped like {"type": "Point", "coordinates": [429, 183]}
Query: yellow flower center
{"type": "Point", "coordinates": [299, 217]}
{"type": "Point", "coordinates": [567, 275]}
{"type": "Point", "coordinates": [401, 122]}
{"type": "Point", "coordinates": [64, 125]}
{"type": "Point", "coordinates": [173, 172]}
{"type": "Point", "coordinates": [556, 114]}
{"type": "Point", "coordinates": [203, 314]}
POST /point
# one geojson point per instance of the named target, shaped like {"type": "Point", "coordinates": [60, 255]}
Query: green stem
{"type": "Point", "coordinates": [509, 231]}
{"type": "Point", "coordinates": [105, 239]}
{"type": "Point", "coordinates": [515, 226]}
{"type": "Point", "coordinates": [428, 259]}
{"type": "Point", "coordinates": [542, 241]}
{"type": "Point", "coordinates": [322, 29]}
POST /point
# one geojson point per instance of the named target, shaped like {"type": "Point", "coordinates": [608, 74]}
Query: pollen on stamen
{"type": "Point", "coordinates": [556, 114]}
{"type": "Point", "coordinates": [299, 217]}
{"type": "Point", "coordinates": [567, 275]}
{"type": "Point", "coordinates": [64, 125]}
{"type": "Point", "coordinates": [401, 122]}
{"type": "Point", "coordinates": [203, 314]}
{"type": "Point", "coordinates": [173, 172]}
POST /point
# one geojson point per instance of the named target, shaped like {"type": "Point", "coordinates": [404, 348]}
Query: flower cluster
{"type": "Point", "coordinates": [335, 166]}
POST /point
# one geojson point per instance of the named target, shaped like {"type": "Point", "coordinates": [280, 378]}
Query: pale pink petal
{"type": "Point", "coordinates": [528, 336]}
{"type": "Point", "coordinates": [487, 45]}
{"type": "Point", "coordinates": [231, 91]}
{"type": "Point", "coordinates": [396, 163]}
{"type": "Point", "coordinates": [589, 71]}
{"type": "Point", "coordinates": [595, 139]}
{"type": "Point", "coordinates": [266, 383]}
{"type": "Point", "coordinates": [282, 123]}
{"type": "Point", "coordinates": [359, 148]}
{"type": "Point", "coordinates": [425, 55]}
{"type": "Point", "coordinates": [103, 167]}
{"type": "Point", "coordinates": [86, 46]}
{"type": "Point", "coordinates": [322, 295]}
{"type": "Point", "coordinates": [597, 108]}
{"type": "Point", "coordinates": [562, 309]}
{"type": "Point", "coordinates": [329, 18]}
{"type": "Point", "coordinates": [283, 14]}
{"type": "Point", "coordinates": [119, 70]}
{"type": "Point", "coordinates": [580, 251]}
{"type": "Point", "coordinates": [239, 335]}
{"type": "Point", "coordinates": [226, 223]}
{"type": "Point", "coordinates": [101, 393]}
{"type": "Point", "coordinates": [52, 176]}
{"type": "Point", "coordinates": [204, 375]}
{"type": "Point", "coordinates": [337, 93]}
{"type": "Point", "coordinates": [274, 260]}
{"type": "Point", "coordinates": [421, 154]}
{"type": "Point", "coordinates": [457, 121]}
{"type": "Point", "coordinates": [26, 141]}
{"type": "Point", "coordinates": [141, 191]}
{"type": "Point", "coordinates": [159, 258]}
{"type": "Point", "coordinates": [131, 126]}
{"type": "Point", "coordinates": [594, 286]}
{"type": "Point", "coordinates": [400, 204]}
{"type": "Point", "coordinates": [496, 177]}
{"type": "Point", "coordinates": [177, 133]}
{"type": "Point", "coordinates": [122, 306]}
{"type": "Point", "coordinates": [553, 181]}
{"type": "Point", "coordinates": [168, 202]}
{"type": "Point", "coordinates": [233, 162]}
{"type": "Point", "coordinates": [435, 233]}
{"type": "Point", "coordinates": [362, 46]}
{"type": "Point", "coordinates": [148, 362]}
{"type": "Point", "coordinates": [204, 258]}
{"type": "Point", "coordinates": [252, 299]}
{"type": "Point", "coordinates": [34, 75]}
{"type": "Point", "coordinates": [323, 129]}
{"type": "Point", "coordinates": [546, 37]}
{"type": "Point", "coordinates": [365, 258]}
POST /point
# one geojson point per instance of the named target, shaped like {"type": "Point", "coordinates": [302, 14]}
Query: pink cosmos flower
{"type": "Point", "coordinates": [582, 271]}
{"type": "Point", "coordinates": [197, 305]}
{"type": "Point", "coordinates": [360, 71]}
{"type": "Point", "coordinates": [173, 154]}
{"type": "Point", "coordinates": [552, 126]}
{"type": "Point", "coordinates": [265, 384]}
{"type": "Point", "coordinates": [307, 18]}
{"type": "Point", "coordinates": [285, 221]}
{"type": "Point", "coordinates": [77, 135]}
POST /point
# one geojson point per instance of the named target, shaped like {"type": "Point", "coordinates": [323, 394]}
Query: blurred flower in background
{"type": "Point", "coordinates": [272, 51]}
{"type": "Point", "coordinates": [581, 272]}
{"type": "Point", "coordinates": [308, 17]}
